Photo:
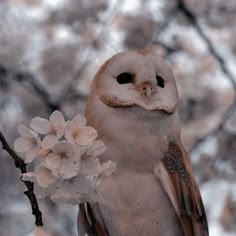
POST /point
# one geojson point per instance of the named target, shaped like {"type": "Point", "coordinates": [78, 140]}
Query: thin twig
{"type": "Point", "coordinates": [216, 130]}
{"type": "Point", "coordinates": [26, 77]}
{"type": "Point", "coordinates": [20, 164]}
{"type": "Point", "coordinates": [41, 92]}
{"type": "Point", "coordinates": [169, 49]}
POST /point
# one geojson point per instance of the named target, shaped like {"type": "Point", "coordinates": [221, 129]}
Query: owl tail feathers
{"type": "Point", "coordinates": [90, 221]}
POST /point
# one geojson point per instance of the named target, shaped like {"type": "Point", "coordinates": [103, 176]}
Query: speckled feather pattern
{"type": "Point", "coordinates": [174, 162]}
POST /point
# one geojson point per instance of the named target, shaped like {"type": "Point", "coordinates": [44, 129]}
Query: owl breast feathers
{"type": "Point", "coordinates": [133, 104]}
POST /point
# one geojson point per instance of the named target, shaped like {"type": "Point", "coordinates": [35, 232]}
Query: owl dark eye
{"type": "Point", "coordinates": [160, 81]}
{"type": "Point", "coordinates": [124, 78]}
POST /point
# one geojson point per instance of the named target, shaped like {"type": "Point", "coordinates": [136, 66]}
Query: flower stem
{"type": "Point", "coordinates": [20, 164]}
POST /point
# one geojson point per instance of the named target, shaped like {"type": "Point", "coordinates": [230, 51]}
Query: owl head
{"type": "Point", "coordinates": [137, 78]}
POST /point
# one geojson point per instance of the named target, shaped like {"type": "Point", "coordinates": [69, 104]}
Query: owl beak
{"type": "Point", "coordinates": [146, 89]}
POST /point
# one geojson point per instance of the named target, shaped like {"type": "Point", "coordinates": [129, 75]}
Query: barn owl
{"type": "Point", "coordinates": [133, 104]}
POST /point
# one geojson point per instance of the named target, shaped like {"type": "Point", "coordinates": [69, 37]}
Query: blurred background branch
{"type": "Point", "coordinates": [50, 51]}
{"type": "Point", "coordinates": [222, 64]}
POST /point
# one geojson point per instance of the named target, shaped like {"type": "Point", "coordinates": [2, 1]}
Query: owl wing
{"type": "Point", "coordinates": [90, 221]}
{"type": "Point", "coordinates": [175, 174]}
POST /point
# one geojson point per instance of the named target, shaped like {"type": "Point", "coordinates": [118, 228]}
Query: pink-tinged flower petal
{"type": "Point", "coordinates": [24, 131]}
{"type": "Point", "coordinates": [39, 231]}
{"type": "Point", "coordinates": [57, 120]}
{"type": "Point", "coordinates": [43, 152]}
{"type": "Point", "coordinates": [30, 155]}
{"type": "Point", "coordinates": [23, 144]}
{"type": "Point", "coordinates": [29, 176]}
{"type": "Point", "coordinates": [82, 185]}
{"type": "Point", "coordinates": [68, 156]}
{"type": "Point", "coordinates": [78, 121]}
{"type": "Point", "coordinates": [94, 179]}
{"type": "Point", "coordinates": [68, 132]}
{"type": "Point", "coordinates": [69, 168]}
{"type": "Point", "coordinates": [60, 132]}
{"type": "Point", "coordinates": [40, 125]}
{"type": "Point", "coordinates": [44, 177]}
{"type": "Point", "coordinates": [52, 161]}
{"type": "Point", "coordinates": [49, 141]}
{"type": "Point", "coordinates": [108, 168]}
{"type": "Point", "coordinates": [86, 136]}
{"type": "Point", "coordinates": [66, 197]}
{"type": "Point", "coordinates": [96, 149]}
{"type": "Point", "coordinates": [63, 147]}
{"type": "Point", "coordinates": [90, 165]}
{"type": "Point", "coordinates": [73, 152]}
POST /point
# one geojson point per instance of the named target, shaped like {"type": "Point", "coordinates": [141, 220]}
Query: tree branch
{"type": "Point", "coordinates": [216, 130]}
{"type": "Point", "coordinates": [222, 64]}
{"type": "Point", "coordinates": [194, 22]}
{"type": "Point", "coordinates": [44, 96]}
{"type": "Point", "coordinates": [26, 77]}
{"type": "Point", "coordinates": [20, 164]}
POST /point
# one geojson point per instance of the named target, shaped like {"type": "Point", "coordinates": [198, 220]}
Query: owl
{"type": "Point", "coordinates": [133, 104]}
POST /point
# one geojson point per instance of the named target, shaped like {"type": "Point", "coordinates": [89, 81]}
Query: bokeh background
{"type": "Point", "coordinates": [50, 51]}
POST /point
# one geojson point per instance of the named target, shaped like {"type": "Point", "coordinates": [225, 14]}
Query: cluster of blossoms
{"type": "Point", "coordinates": [67, 167]}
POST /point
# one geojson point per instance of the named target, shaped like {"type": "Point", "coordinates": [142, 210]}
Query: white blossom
{"type": "Point", "coordinates": [95, 149]}
{"type": "Point", "coordinates": [81, 187]}
{"type": "Point", "coordinates": [64, 160]}
{"type": "Point", "coordinates": [45, 184]}
{"type": "Point", "coordinates": [106, 169]}
{"type": "Point", "coordinates": [39, 231]}
{"type": "Point", "coordinates": [75, 190]}
{"type": "Point", "coordinates": [52, 128]}
{"type": "Point", "coordinates": [29, 176]}
{"type": "Point", "coordinates": [64, 197]}
{"type": "Point", "coordinates": [44, 176]}
{"type": "Point", "coordinates": [29, 143]}
{"type": "Point", "coordinates": [77, 132]}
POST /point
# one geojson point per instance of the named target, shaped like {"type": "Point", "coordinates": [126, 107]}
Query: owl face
{"type": "Point", "coordinates": [137, 78]}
